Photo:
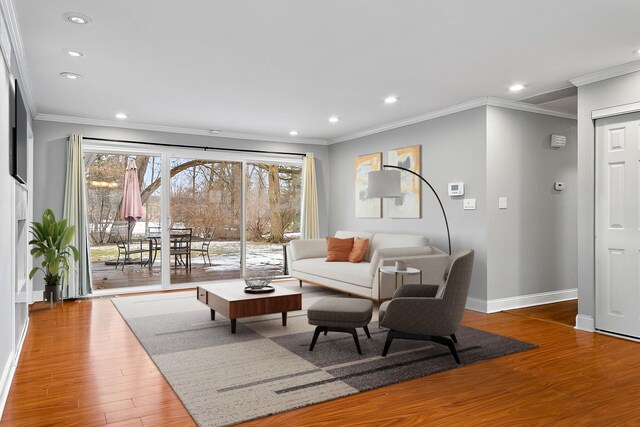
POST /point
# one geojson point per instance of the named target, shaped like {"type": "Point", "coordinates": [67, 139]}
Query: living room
{"type": "Point", "coordinates": [504, 118]}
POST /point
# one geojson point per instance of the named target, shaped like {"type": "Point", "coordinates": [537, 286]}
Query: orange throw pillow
{"type": "Point", "coordinates": [359, 249]}
{"type": "Point", "coordinates": [338, 249]}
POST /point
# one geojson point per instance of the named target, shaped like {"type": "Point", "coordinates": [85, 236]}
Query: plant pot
{"type": "Point", "coordinates": [56, 290]}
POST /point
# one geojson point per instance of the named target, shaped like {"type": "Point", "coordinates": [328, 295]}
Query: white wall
{"type": "Point", "coordinates": [50, 156]}
{"type": "Point", "coordinates": [6, 253]}
{"type": "Point", "coordinates": [595, 96]}
{"type": "Point", "coordinates": [453, 149]}
{"type": "Point", "coordinates": [532, 244]}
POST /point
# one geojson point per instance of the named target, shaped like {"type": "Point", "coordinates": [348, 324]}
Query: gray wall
{"type": "Point", "coordinates": [50, 153]}
{"type": "Point", "coordinates": [604, 94]}
{"type": "Point", "coordinates": [453, 149]}
{"type": "Point", "coordinates": [532, 245]}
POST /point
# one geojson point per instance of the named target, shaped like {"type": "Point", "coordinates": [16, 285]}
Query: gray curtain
{"type": "Point", "coordinates": [75, 211]}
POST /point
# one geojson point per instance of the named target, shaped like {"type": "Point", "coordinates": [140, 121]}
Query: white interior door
{"type": "Point", "coordinates": [618, 224]}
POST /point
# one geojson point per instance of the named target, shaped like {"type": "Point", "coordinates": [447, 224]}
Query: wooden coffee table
{"type": "Point", "coordinates": [230, 300]}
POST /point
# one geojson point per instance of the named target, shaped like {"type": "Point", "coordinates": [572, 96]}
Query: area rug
{"type": "Point", "coordinates": [266, 368]}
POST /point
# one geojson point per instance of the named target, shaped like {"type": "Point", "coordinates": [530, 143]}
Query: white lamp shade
{"type": "Point", "coordinates": [384, 183]}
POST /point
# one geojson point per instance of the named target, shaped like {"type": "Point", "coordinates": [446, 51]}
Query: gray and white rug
{"type": "Point", "coordinates": [266, 368]}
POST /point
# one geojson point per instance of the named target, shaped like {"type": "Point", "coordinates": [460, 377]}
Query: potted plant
{"type": "Point", "coordinates": [52, 241]}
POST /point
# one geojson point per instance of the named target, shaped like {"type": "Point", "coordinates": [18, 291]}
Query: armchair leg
{"type": "Point", "coordinates": [391, 335]}
{"type": "Point", "coordinates": [448, 343]}
{"type": "Point", "coordinates": [454, 339]}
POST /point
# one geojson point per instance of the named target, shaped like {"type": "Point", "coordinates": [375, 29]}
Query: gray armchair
{"type": "Point", "coordinates": [415, 313]}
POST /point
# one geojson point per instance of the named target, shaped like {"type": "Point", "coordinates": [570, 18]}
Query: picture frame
{"type": "Point", "coordinates": [364, 206]}
{"type": "Point", "coordinates": [409, 205]}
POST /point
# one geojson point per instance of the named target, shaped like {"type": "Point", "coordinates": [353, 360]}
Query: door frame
{"type": "Point", "coordinates": [616, 112]}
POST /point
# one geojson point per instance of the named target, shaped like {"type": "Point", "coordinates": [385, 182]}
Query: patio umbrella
{"type": "Point", "coordinates": [131, 210]}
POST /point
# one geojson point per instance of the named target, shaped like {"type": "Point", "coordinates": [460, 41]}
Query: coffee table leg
{"type": "Point", "coordinates": [284, 318]}
{"type": "Point", "coordinates": [213, 314]}
{"type": "Point", "coordinates": [233, 326]}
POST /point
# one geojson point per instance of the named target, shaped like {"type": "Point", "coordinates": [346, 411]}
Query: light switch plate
{"type": "Point", "coordinates": [502, 203]}
{"type": "Point", "coordinates": [469, 204]}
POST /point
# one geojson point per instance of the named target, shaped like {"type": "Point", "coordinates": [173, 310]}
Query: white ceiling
{"type": "Point", "coordinates": [269, 66]}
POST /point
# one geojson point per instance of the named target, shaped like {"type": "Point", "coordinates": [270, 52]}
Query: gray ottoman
{"type": "Point", "coordinates": [340, 315]}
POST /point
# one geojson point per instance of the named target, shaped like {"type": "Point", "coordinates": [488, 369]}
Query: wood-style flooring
{"type": "Point", "coordinates": [82, 366]}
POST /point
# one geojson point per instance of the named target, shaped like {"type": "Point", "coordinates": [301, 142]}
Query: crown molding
{"type": "Point", "coordinates": [412, 120]}
{"type": "Point", "coordinates": [11, 19]}
{"type": "Point", "coordinates": [173, 129]}
{"type": "Point", "coordinates": [531, 108]}
{"type": "Point", "coordinates": [479, 102]}
{"type": "Point", "coordinates": [609, 73]}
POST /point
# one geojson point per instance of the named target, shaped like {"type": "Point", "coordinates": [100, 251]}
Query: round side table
{"type": "Point", "coordinates": [388, 269]}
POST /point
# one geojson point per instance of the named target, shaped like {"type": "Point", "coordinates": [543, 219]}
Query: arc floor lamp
{"type": "Point", "coordinates": [386, 184]}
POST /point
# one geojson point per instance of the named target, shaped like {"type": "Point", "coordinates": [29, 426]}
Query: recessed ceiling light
{"type": "Point", "coordinates": [77, 18]}
{"type": "Point", "coordinates": [293, 133]}
{"type": "Point", "coordinates": [637, 51]}
{"type": "Point", "coordinates": [516, 87]}
{"type": "Point", "coordinates": [214, 131]}
{"type": "Point", "coordinates": [74, 53]}
{"type": "Point", "coordinates": [71, 76]}
{"type": "Point", "coordinates": [390, 99]}
{"type": "Point", "coordinates": [121, 116]}
{"type": "Point", "coordinates": [334, 119]}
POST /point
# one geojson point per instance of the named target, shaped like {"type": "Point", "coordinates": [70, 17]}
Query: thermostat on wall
{"type": "Point", "coordinates": [456, 189]}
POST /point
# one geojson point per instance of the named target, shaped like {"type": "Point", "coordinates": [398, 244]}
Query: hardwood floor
{"type": "Point", "coordinates": [563, 312]}
{"type": "Point", "coordinates": [81, 365]}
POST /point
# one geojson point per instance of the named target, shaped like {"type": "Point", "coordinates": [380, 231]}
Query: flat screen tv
{"type": "Point", "coordinates": [18, 146]}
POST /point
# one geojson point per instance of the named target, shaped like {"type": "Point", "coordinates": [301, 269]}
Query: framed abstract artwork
{"type": "Point", "coordinates": [365, 207]}
{"type": "Point", "coordinates": [407, 206]}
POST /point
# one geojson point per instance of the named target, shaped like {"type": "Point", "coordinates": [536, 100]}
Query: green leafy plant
{"type": "Point", "coordinates": [52, 241]}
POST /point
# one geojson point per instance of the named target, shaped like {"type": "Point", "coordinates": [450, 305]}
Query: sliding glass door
{"type": "Point", "coordinates": [120, 251]}
{"type": "Point", "coordinates": [273, 202]}
{"type": "Point", "coordinates": [204, 227]}
{"type": "Point", "coordinates": [221, 216]}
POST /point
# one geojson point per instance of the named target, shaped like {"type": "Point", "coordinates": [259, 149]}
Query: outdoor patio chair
{"type": "Point", "coordinates": [204, 249]}
{"type": "Point", "coordinates": [127, 248]}
{"type": "Point", "coordinates": [181, 246]}
{"type": "Point", "coordinates": [154, 234]}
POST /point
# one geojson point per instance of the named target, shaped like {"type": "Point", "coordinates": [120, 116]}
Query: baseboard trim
{"type": "Point", "coordinates": [585, 323]}
{"type": "Point", "coordinates": [10, 369]}
{"type": "Point", "coordinates": [476, 304]}
{"type": "Point", "coordinates": [5, 380]}
{"type": "Point", "coordinates": [521, 301]}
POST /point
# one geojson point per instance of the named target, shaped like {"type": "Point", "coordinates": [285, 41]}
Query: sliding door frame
{"type": "Point", "coordinates": [166, 154]}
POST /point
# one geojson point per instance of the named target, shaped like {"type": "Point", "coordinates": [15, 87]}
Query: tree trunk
{"type": "Point", "coordinates": [275, 207]}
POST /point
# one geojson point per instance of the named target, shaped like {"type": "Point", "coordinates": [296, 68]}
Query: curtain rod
{"type": "Point", "coordinates": [164, 144]}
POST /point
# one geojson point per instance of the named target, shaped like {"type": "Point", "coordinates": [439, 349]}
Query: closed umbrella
{"type": "Point", "coordinates": [131, 210]}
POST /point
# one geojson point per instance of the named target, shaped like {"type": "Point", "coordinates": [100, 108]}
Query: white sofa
{"type": "Point", "coordinates": [307, 263]}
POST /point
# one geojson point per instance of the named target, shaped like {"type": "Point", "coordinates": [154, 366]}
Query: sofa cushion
{"type": "Point", "coordinates": [341, 234]}
{"type": "Point", "coordinates": [308, 248]}
{"type": "Point", "coordinates": [384, 241]}
{"type": "Point", "coordinates": [338, 249]}
{"type": "Point", "coordinates": [359, 249]}
{"type": "Point", "coordinates": [357, 274]}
